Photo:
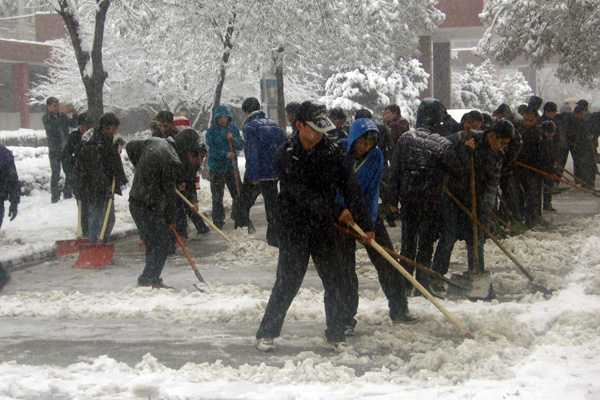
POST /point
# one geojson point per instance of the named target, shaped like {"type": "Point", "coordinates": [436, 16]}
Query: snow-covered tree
{"type": "Point", "coordinates": [480, 87]}
{"type": "Point", "coordinates": [515, 89]}
{"type": "Point", "coordinates": [376, 89]}
{"type": "Point", "coordinates": [477, 88]}
{"type": "Point", "coordinates": [541, 30]}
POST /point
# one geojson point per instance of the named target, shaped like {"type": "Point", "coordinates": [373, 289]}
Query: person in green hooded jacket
{"type": "Point", "coordinates": [221, 162]}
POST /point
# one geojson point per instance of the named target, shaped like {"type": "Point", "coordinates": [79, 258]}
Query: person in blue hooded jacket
{"type": "Point", "coordinates": [367, 161]}
{"type": "Point", "coordinates": [221, 161]}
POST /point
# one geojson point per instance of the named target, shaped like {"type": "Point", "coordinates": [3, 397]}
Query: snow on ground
{"type": "Point", "coordinates": [527, 346]}
{"type": "Point", "coordinates": [39, 223]}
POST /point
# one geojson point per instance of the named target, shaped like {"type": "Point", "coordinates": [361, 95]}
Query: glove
{"type": "Point", "coordinates": [12, 210]}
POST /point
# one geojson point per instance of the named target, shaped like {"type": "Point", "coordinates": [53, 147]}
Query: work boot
{"type": "Point", "coordinates": [548, 207]}
{"type": "Point", "coordinates": [339, 347]}
{"type": "Point", "coordinates": [265, 344]}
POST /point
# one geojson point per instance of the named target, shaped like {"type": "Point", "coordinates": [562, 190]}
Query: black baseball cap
{"type": "Point", "coordinates": [314, 114]}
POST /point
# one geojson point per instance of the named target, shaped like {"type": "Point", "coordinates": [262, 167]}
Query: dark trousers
{"type": "Point", "coordinates": [269, 191]}
{"type": "Point", "coordinates": [156, 236]}
{"type": "Point", "coordinates": [85, 215]}
{"type": "Point", "coordinates": [456, 224]}
{"type": "Point", "coordinates": [509, 184]}
{"type": "Point", "coordinates": [390, 279]}
{"type": "Point", "coordinates": [546, 195]}
{"type": "Point", "coordinates": [294, 254]}
{"type": "Point", "coordinates": [55, 159]}
{"type": "Point", "coordinates": [4, 277]}
{"type": "Point", "coordinates": [584, 166]}
{"type": "Point", "coordinates": [420, 228]}
{"type": "Point", "coordinates": [218, 181]}
{"type": "Point", "coordinates": [531, 199]}
{"type": "Point", "coordinates": [183, 212]}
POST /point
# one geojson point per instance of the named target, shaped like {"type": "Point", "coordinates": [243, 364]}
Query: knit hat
{"type": "Point", "coordinates": [181, 122]}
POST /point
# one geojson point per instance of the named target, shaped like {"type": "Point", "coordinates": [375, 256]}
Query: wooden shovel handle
{"type": "Point", "coordinates": [416, 284]}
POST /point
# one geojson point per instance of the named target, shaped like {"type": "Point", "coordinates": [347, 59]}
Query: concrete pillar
{"type": "Point", "coordinates": [20, 92]}
{"type": "Point", "coordinates": [442, 73]}
{"type": "Point", "coordinates": [425, 51]}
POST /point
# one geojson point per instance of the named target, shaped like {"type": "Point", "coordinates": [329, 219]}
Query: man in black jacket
{"type": "Point", "coordinates": [9, 190]}
{"type": "Point", "coordinates": [532, 154]}
{"type": "Point", "coordinates": [69, 158]}
{"type": "Point", "coordinates": [57, 125]}
{"type": "Point", "coordinates": [311, 168]}
{"type": "Point", "coordinates": [152, 198]}
{"type": "Point", "coordinates": [98, 167]}
{"type": "Point", "coordinates": [486, 150]}
{"type": "Point", "coordinates": [422, 160]}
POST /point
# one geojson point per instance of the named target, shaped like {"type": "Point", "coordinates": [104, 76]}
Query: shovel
{"type": "Point", "coordinates": [485, 230]}
{"type": "Point", "coordinates": [188, 256]}
{"type": "Point", "coordinates": [67, 247]}
{"type": "Point", "coordinates": [98, 255]}
{"type": "Point", "coordinates": [189, 203]}
{"type": "Point", "coordinates": [479, 282]}
{"type": "Point", "coordinates": [402, 258]}
{"type": "Point", "coordinates": [416, 284]}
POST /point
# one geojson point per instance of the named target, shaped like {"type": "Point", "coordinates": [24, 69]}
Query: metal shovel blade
{"type": "Point", "coordinates": [67, 247]}
{"type": "Point", "coordinates": [95, 255]}
{"type": "Point", "coordinates": [476, 286]}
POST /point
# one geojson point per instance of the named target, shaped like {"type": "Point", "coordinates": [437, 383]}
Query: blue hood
{"type": "Point", "coordinates": [359, 128]}
{"type": "Point", "coordinates": [221, 111]}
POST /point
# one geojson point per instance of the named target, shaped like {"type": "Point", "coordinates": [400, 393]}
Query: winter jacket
{"type": "Point", "coordinates": [72, 149]}
{"type": "Point", "coordinates": [397, 127]}
{"type": "Point", "coordinates": [368, 169]}
{"type": "Point", "coordinates": [532, 153]}
{"type": "Point", "coordinates": [309, 181]}
{"type": "Point", "coordinates": [511, 152]}
{"type": "Point", "coordinates": [187, 172]}
{"type": "Point", "coordinates": [57, 128]}
{"type": "Point", "coordinates": [9, 180]}
{"type": "Point", "coordinates": [218, 145]}
{"type": "Point", "coordinates": [96, 165]}
{"type": "Point", "coordinates": [488, 170]}
{"type": "Point", "coordinates": [420, 164]}
{"type": "Point", "coordinates": [263, 136]}
{"type": "Point", "coordinates": [337, 133]}
{"type": "Point", "coordinates": [157, 168]}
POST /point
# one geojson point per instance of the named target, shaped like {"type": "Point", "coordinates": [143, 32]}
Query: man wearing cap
{"type": "Point", "coordinates": [262, 138]}
{"type": "Point", "coordinates": [70, 156]}
{"type": "Point", "coordinates": [312, 168]}
{"type": "Point", "coordinates": [367, 161]}
{"type": "Point", "coordinates": [152, 198]}
{"type": "Point", "coordinates": [56, 124]}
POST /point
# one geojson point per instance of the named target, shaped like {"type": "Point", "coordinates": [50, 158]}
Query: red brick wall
{"type": "Point", "coordinates": [49, 27]}
{"type": "Point", "coordinates": [23, 51]}
{"type": "Point", "coordinates": [461, 13]}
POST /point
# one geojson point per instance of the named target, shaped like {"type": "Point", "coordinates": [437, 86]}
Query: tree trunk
{"type": "Point", "coordinates": [227, 46]}
{"type": "Point", "coordinates": [94, 82]}
{"type": "Point", "coordinates": [278, 58]}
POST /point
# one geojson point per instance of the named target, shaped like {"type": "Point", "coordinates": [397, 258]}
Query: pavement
{"type": "Point", "coordinates": [38, 340]}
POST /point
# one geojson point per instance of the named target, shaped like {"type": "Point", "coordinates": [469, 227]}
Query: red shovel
{"type": "Point", "coordinates": [66, 247]}
{"type": "Point", "coordinates": [98, 255]}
